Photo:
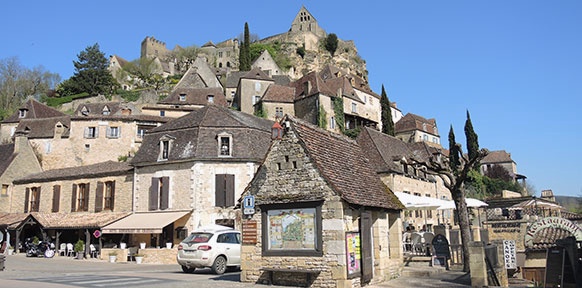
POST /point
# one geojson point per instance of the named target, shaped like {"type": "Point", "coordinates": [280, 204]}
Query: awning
{"type": "Point", "coordinates": [413, 202]}
{"type": "Point", "coordinates": [143, 223]}
{"type": "Point", "coordinates": [471, 203]}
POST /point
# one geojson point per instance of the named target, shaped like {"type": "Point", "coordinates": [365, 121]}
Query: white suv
{"type": "Point", "coordinates": [215, 246]}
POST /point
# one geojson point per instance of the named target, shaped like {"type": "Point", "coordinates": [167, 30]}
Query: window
{"type": "Point", "coordinates": [80, 199]}
{"type": "Point", "coordinates": [141, 131]}
{"type": "Point", "coordinates": [22, 113]}
{"type": "Point", "coordinates": [164, 150]}
{"type": "Point", "coordinates": [257, 86]}
{"type": "Point", "coordinates": [332, 122]}
{"type": "Point", "coordinates": [48, 147]}
{"type": "Point", "coordinates": [106, 111]}
{"type": "Point", "coordinates": [256, 99]}
{"type": "Point", "coordinates": [210, 98]}
{"type": "Point", "coordinates": [292, 229]}
{"type": "Point", "coordinates": [224, 145]}
{"type": "Point", "coordinates": [162, 113]}
{"type": "Point", "coordinates": [104, 196]}
{"type": "Point", "coordinates": [183, 97]}
{"type": "Point", "coordinates": [425, 138]}
{"type": "Point", "coordinates": [279, 112]}
{"type": "Point", "coordinates": [91, 132]}
{"type": "Point", "coordinates": [219, 54]}
{"type": "Point", "coordinates": [159, 198]}
{"type": "Point", "coordinates": [32, 199]}
{"type": "Point", "coordinates": [230, 238]}
{"type": "Point", "coordinates": [224, 190]}
{"type": "Point", "coordinates": [113, 132]}
{"type": "Point", "coordinates": [4, 190]}
{"type": "Point", "coordinates": [56, 198]}
{"type": "Point", "coordinates": [354, 108]}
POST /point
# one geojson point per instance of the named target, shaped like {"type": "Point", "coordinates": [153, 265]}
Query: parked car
{"type": "Point", "coordinates": [215, 246]}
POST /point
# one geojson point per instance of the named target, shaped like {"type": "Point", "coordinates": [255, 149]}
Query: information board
{"type": "Point", "coordinates": [353, 253]}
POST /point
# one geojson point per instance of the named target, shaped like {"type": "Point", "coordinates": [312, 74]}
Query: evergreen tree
{"type": "Point", "coordinates": [331, 43]}
{"type": "Point", "coordinates": [472, 139]}
{"type": "Point", "coordinates": [453, 151]}
{"type": "Point", "coordinates": [91, 74]}
{"type": "Point", "coordinates": [387, 122]}
{"type": "Point", "coordinates": [245, 51]}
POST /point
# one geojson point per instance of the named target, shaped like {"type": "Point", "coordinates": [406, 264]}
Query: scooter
{"type": "Point", "coordinates": [42, 249]}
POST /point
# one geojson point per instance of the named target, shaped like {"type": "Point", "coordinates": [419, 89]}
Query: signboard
{"type": "Point", "coordinates": [353, 254]}
{"type": "Point", "coordinates": [249, 232]}
{"type": "Point", "coordinates": [509, 254]}
{"type": "Point", "coordinates": [97, 234]}
{"type": "Point", "coordinates": [249, 205]}
{"type": "Point", "coordinates": [440, 246]}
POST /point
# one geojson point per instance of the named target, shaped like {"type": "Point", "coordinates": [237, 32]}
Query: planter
{"type": "Point", "coordinates": [142, 245]}
{"type": "Point", "coordinates": [169, 245]}
{"type": "Point", "coordinates": [138, 259]}
{"type": "Point", "coordinates": [80, 255]}
{"type": "Point", "coordinates": [122, 245]}
{"type": "Point", "coordinates": [112, 258]}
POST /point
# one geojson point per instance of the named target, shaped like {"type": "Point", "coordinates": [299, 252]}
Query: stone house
{"type": "Point", "coordinates": [318, 204]}
{"type": "Point", "coordinates": [70, 203]}
{"type": "Point", "coordinates": [31, 109]}
{"type": "Point", "coordinates": [413, 128]}
{"type": "Point", "coordinates": [266, 64]}
{"type": "Point", "coordinates": [393, 159]}
{"type": "Point", "coordinates": [251, 88]}
{"type": "Point", "coordinates": [503, 159]}
{"type": "Point", "coordinates": [277, 102]}
{"type": "Point", "coordinates": [198, 165]}
{"type": "Point", "coordinates": [16, 159]}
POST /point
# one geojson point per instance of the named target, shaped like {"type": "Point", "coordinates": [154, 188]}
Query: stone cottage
{"type": "Point", "coordinates": [322, 216]}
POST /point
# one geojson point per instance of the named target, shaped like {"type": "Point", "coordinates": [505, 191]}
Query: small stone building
{"type": "Point", "coordinates": [322, 216]}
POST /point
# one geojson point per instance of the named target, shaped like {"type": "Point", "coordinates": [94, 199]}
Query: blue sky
{"type": "Point", "coordinates": [515, 65]}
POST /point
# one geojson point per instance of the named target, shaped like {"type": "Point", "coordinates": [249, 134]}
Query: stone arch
{"type": "Point", "coordinates": [556, 225]}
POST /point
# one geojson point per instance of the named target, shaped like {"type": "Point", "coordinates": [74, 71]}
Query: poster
{"type": "Point", "coordinates": [353, 253]}
{"type": "Point", "coordinates": [509, 254]}
{"type": "Point", "coordinates": [292, 229]}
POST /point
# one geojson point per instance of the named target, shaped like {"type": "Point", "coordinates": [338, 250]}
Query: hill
{"type": "Point", "coordinates": [571, 203]}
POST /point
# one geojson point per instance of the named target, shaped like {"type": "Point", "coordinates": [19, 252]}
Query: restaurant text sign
{"type": "Point", "coordinates": [509, 254]}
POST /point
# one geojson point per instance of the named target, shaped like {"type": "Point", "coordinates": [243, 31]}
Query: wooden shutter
{"type": "Point", "coordinates": [99, 197]}
{"type": "Point", "coordinates": [37, 202]}
{"type": "Point", "coordinates": [87, 194]}
{"type": "Point", "coordinates": [112, 195]}
{"type": "Point", "coordinates": [165, 197]}
{"type": "Point", "coordinates": [154, 193]}
{"type": "Point", "coordinates": [366, 246]}
{"type": "Point", "coordinates": [219, 195]}
{"type": "Point", "coordinates": [56, 198]}
{"type": "Point", "coordinates": [26, 197]}
{"type": "Point", "coordinates": [74, 199]}
{"type": "Point", "coordinates": [229, 190]}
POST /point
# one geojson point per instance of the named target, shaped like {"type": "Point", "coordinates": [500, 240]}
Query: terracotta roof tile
{"type": "Point", "coordinates": [499, 156]}
{"type": "Point", "coordinates": [383, 149]}
{"type": "Point", "coordinates": [91, 171]}
{"type": "Point", "coordinates": [411, 122]}
{"type": "Point", "coordinates": [35, 110]}
{"type": "Point", "coordinates": [196, 96]}
{"type": "Point", "coordinates": [278, 93]}
{"type": "Point", "coordinates": [12, 219]}
{"type": "Point", "coordinates": [257, 74]}
{"type": "Point", "coordinates": [343, 164]}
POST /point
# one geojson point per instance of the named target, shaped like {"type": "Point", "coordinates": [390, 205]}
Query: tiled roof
{"type": "Point", "coordinates": [191, 79]}
{"type": "Point", "coordinates": [34, 109]}
{"type": "Point", "coordinates": [108, 168]}
{"type": "Point", "coordinates": [196, 96]}
{"type": "Point", "coordinates": [278, 93]}
{"type": "Point", "coordinates": [195, 136]}
{"type": "Point", "coordinates": [12, 219]}
{"type": "Point", "coordinates": [499, 156]}
{"type": "Point", "coordinates": [506, 202]}
{"type": "Point", "coordinates": [233, 78]}
{"type": "Point", "coordinates": [114, 108]}
{"type": "Point", "coordinates": [546, 237]}
{"type": "Point", "coordinates": [6, 156]}
{"type": "Point", "coordinates": [281, 80]}
{"type": "Point", "coordinates": [317, 86]}
{"type": "Point", "coordinates": [382, 150]}
{"type": "Point", "coordinates": [77, 220]}
{"type": "Point", "coordinates": [44, 128]}
{"type": "Point", "coordinates": [412, 122]}
{"type": "Point", "coordinates": [124, 118]}
{"type": "Point", "coordinates": [257, 74]}
{"type": "Point", "coordinates": [343, 164]}
{"type": "Point", "coordinates": [343, 83]}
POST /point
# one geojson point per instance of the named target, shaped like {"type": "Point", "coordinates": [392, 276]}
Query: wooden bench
{"type": "Point", "coordinates": [307, 272]}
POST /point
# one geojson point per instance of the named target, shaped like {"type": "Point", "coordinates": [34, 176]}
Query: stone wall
{"type": "Point", "coordinates": [288, 109]}
{"type": "Point", "coordinates": [247, 90]}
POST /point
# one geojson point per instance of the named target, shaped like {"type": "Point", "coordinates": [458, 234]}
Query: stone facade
{"type": "Point", "coordinates": [266, 63]}
{"type": "Point", "coordinates": [249, 92]}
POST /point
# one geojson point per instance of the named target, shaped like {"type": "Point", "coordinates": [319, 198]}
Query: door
{"type": "Point", "coordinates": [366, 246]}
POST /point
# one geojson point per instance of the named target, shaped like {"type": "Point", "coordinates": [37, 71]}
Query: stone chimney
{"type": "Point", "coordinates": [20, 141]}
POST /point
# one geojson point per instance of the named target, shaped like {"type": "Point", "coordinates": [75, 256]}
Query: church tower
{"type": "Point", "coordinates": [304, 21]}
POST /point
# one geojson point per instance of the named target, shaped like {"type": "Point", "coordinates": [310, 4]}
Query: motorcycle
{"type": "Point", "coordinates": [42, 249]}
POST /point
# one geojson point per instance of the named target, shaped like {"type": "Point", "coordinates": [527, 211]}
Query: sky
{"type": "Point", "coordinates": [516, 66]}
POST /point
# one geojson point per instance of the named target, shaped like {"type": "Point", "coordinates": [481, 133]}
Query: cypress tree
{"type": "Point", "coordinates": [453, 151]}
{"type": "Point", "coordinates": [472, 139]}
{"type": "Point", "coordinates": [245, 51]}
{"type": "Point", "coordinates": [387, 123]}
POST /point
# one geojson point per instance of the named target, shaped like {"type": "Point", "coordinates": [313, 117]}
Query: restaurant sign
{"type": "Point", "coordinates": [551, 222]}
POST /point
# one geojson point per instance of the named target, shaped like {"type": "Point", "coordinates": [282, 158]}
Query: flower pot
{"type": "Point", "coordinates": [142, 245]}
{"type": "Point", "coordinates": [122, 245]}
{"type": "Point", "coordinates": [80, 255]}
{"type": "Point", "coordinates": [169, 245]}
{"type": "Point", "coordinates": [138, 259]}
{"type": "Point", "coordinates": [112, 258]}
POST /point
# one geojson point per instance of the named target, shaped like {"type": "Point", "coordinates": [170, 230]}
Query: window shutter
{"type": "Point", "coordinates": [96, 131]}
{"type": "Point", "coordinates": [118, 132]}
{"type": "Point", "coordinates": [26, 197]}
{"type": "Point", "coordinates": [86, 132]}
{"type": "Point", "coordinates": [220, 196]}
{"type": "Point", "coordinates": [99, 197]}
{"type": "Point", "coordinates": [229, 190]}
{"type": "Point", "coordinates": [37, 202]}
{"type": "Point", "coordinates": [74, 199]}
{"type": "Point", "coordinates": [154, 193]}
{"type": "Point", "coordinates": [88, 192]}
{"type": "Point", "coordinates": [112, 195]}
{"type": "Point", "coordinates": [165, 197]}
{"type": "Point", "coordinates": [56, 197]}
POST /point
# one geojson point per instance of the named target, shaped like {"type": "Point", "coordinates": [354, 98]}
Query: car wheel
{"type": "Point", "coordinates": [187, 269]}
{"type": "Point", "coordinates": [219, 265]}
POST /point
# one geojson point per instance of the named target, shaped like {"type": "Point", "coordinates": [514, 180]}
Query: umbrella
{"type": "Point", "coordinates": [471, 202]}
{"type": "Point", "coordinates": [414, 202]}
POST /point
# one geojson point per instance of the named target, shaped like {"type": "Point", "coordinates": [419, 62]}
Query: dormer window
{"type": "Point", "coordinates": [22, 113]}
{"type": "Point", "coordinates": [354, 108]}
{"type": "Point", "coordinates": [210, 98]}
{"type": "Point", "coordinates": [84, 111]}
{"type": "Point", "coordinates": [165, 147]}
{"type": "Point", "coordinates": [423, 126]}
{"type": "Point", "coordinates": [224, 145]}
{"type": "Point", "coordinates": [183, 97]}
{"type": "Point", "coordinates": [106, 111]}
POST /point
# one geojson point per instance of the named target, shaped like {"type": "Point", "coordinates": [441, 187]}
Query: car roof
{"type": "Point", "coordinates": [213, 228]}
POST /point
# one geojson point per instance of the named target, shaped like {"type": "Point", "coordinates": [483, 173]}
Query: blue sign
{"type": "Point", "coordinates": [249, 201]}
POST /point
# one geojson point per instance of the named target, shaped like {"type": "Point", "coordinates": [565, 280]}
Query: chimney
{"type": "Point", "coordinates": [20, 141]}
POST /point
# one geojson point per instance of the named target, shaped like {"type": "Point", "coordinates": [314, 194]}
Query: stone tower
{"type": "Point", "coordinates": [152, 47]}
{"type": "Point", "coordinates": [304, 21]}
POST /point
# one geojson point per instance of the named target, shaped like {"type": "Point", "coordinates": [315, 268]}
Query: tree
{"type": "Point", "coordinates": [91, 73]}
{"type": "Point", "coordinates": [387, 122]}
{"type": "Point", "coordinates": [472, 139]}
{"type": "Point", "coordinates": [18, 82]}
{"type": "Point", "coordinates": [145, 70]}
{"type": "Point", "coordinates": [454, 172]}
{"type": "Point", "coordinates": [245, 51]}
{"type": "Point", "coordinates": [331, 43]}
{"type": "Point", "coordinates": [183, 57]}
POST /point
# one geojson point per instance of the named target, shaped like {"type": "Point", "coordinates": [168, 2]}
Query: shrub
{"type": "Point", "coordinates": [79, 246]}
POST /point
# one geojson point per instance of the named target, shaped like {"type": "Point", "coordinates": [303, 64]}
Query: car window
{"type": "Point", "coordinates": [198, 237]}
{"type": "Point", "coordinates": [232, 238]}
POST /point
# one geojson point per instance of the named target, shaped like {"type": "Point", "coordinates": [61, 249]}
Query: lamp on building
{"type": "Point", "coordinates": [276, 131]}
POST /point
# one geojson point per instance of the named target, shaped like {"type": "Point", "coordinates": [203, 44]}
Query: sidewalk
{"type": "Point", "coordinates": [427, 277]}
